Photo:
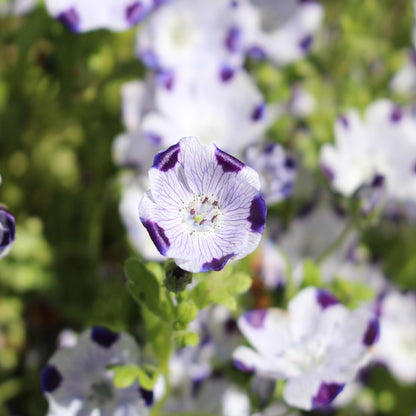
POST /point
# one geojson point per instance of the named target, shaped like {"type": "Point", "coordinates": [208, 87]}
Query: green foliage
{"type": "Point", "coordinates": [126, 375]}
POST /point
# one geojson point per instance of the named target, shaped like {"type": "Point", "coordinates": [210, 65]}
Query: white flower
{"type": "Point", "coordinates": [381, 146]}
{"type": "Point", "coordinates": [17, 7]}
{"type": "Point", "coordinates": [318, 345]}
{"type": "Point", "coordinates": [85, 15]}
{"type": "Point", "coordinates": [77, 379]}
{"type": "Point", "coordinates": [204, 206]}
{"type": "Point", "coordinates": [397, 346]}
{"type": "Point", "coordinates": [283, 30]}
{"type": "Point", "coordinates": [231, 111]}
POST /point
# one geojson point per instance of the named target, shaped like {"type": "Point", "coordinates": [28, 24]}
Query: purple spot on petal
{"type": "Point", "coordinates": [328, 172]}
{"type": "Point", "coordinates": [226, 73]}
{"type": "Point", "coordinates": [167, 159]}
{"type": "Point", "coordinates": [166, 79]}
{"type": "Point", "coordinates": [256, 318]}
{"type": "Point", "coordinates": [196, 385]}
{"type": "Point", "coordinates": [242, 367]}
{"type": "Point", "coordinates": [286, 189]}
{"type": "Point", "coordinates": [290, 162]}
{"type": "Point", "coordinates": [372, 332]}
{"type": "Point", "coordinates": [344, 121]}
{"type": "Point", "coordinates": [326, 393]}
{"type": "Point", "coordinates": [158, 236]}
{"type": "Point", "coordinates": [378, 181]}
{"type": "Point", "coordinates": [149, 58]}
{"type": "Point", "coordinates": [135, 13]}
{"type": "Point", "coordinates": [153, 138]}
{"type": "Point", "coordinates": [233, 39]}
{"type": "Point", "coordinates": [227, 162]}
{"type": "Point", "coordinates": [257, 53]}
{"type": "Point", "coordinates": [70, 19]}
{"type": "Point", "coordinates": [230, 326]}
{"type": "Point", "coordinates": [396, 115]}
{"type": "Point", "coordinates": [103, 336]}
{"type": "Point", "coordinates": [158, 3]}
{"type": "Point", "coordinates": [306, 43]}
{"type": "Point", "coordinates": [50, 379]}
{"type": "Point", "coordinates": [216, 264]}
{"type": "Point", "coordinates": [7, 228]}
{"type": "Point", "coordinates": [257, 216]}
{"type": "Point", "coordinates": [326, 299]}
{"type": "Point", "coordinates": [258, 112]}
{"type": "Point", "coordinates": [414, 168]}
{"type": "Point", "coordinates": [147, 396]}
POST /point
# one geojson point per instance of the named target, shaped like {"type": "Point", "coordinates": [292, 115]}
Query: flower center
{"type": "Point", "coordinates": [202, 214]}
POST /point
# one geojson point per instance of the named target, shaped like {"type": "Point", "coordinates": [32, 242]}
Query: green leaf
{"type": "Point", "coordinates": [186, 312]}
{"type": "Point", "coordinates": [142, 284]}
{"type": "Point", "coordinates": [125, 375]}
{"type": "Point", "coordinates": [147, 377]}
{"type": "Point", "coordinates": [186, 338]}
{"type": "Point", "coordinates": [311, 274]}
{"type": "Point", "coordinates": [220, 287]}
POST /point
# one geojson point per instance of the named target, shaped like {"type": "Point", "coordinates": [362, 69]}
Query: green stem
{"type": "Point", "coordinates": [337, 243]}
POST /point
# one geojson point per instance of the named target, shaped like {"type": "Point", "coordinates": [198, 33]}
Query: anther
{"type": "Point", "coordinates": [192, 211]}
{"type": "Point", "coordinates": [215, 203]}
{"type": "Point", "coordinates": [214, 217]}
{"type": "Point", "coordinates": [202, 221]}
{"type": "Point", "coordinates": [205, 200]}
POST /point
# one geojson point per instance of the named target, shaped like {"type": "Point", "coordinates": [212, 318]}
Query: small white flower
{"type": "Point", "coordinates": [318, 345]}
{"type": "Point", "coordinates": [204, 206]}
{"type": "Point", "coordinates": [85, 15]}
{"type": "Point", "coordinates": [77, 379]}
{"type": "Point", "coordinates": [397, 345]}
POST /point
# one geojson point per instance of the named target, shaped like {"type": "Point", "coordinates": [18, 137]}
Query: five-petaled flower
{"type": "Point", "coordinates": [317, 346]}
{"type": "Point", "coordinates": [204, 206]}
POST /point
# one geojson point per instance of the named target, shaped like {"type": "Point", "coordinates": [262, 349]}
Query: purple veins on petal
{"type": "Point", "coordinates": [135, 12]}
{"type": "Point", "coordinates": [257, 216]}
{"type": "Point", "coordinates": [50, 379]}
{"type": "Point", "coordinates": [326, 299]}
{"type": "Point", "coordinates": [326, 393]}
{"type": "Point", "coordinates": [167, 159]}
{"type": "Point", "coordinates": [227, 162]}
{"type": "Point", "coordinates": [70, 19]}
{"type": "Point", "coordinates": [396, 115]}
{"type": "Point", "coordinates": [147, 396]}
{"type": "Point", "coordinates": [306, 43]}
{"type": "Point", "coordinates": [157, 234]}
{"type": "Point", "coordinates": [372, 332]}
{"type": "Point", "coordinates": [256, 318]}
{"type": "Point", "coordinates": [103, 336]}
{"type": "Point", "coordinates": [258, 112]}
{"type": "Point", "coordinates": [216, 264]}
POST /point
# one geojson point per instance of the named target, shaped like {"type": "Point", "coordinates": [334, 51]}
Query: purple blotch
{"type": "Point", "coordinates": [286, 189]}
{"type": "Point", "coordinates": [233, 39]}
{"type": "Point", "coordinates": [135, 12]}
{"type": "Point", "coordinates": [230, 326]}
{"type": "Point", "coordinates": [216, 264]}
{"type": "Point", "coordinates": [306, 43]}
{"type": "Point", "coordinates": [396, 115]}
{"type": "Point", "coordinates": [167, 159]}
{"type": "Point", "coordinates": [50, 379]}
{"type": "Point", "coordinates": [414, 168]}
{"type": "Point", "coordinates": [326, 393]}
{"type": "Point", "coordinates": [257, 216]}
{"type": "Point", "coordinates": [242, 367]}
{"type": "Point", "coordinates": [166, 79]}
{"type": "Point", "coordinates": [70, 19]}
{"type": "Point", "coordinates": [149, 58]}
{"type": "Point", "coordinates": [306, 1]}
{"type": "Point", "coordinates": [158, 236]}
{"type": "Point", "coordinates": [344, 121]}
{"type": "Point", "coordinates": [378, 181]}
{"type": "Point", "coordinates": [326, 299]}
{"type": "Point", "coordinates": [153, 138]}
{"type": "Point", "coordinates": [256, 318]}
{"type": "Point", "coordinates": [226, 73]}
{"type": "Point", "coordinates": [328, 172]}
{"type": "Point", "coordinates": [147, 396]}
{"type": "Point", "coordinates": [290, 162]}
{"type": "Point", "coordinates": [372, 332]}
{"type": "Point", "coordinates": [8, 228]}
{"type": "Point", "coordinates": [227, 162]}
{"type": "Point", "coordinates": [103, 336]}
{"type": "Point", "coordinates": [257, 53]}
{"type": "Point", "coordinates": [258, 112]}
{"type": "Point", "coordinates": [269, 148]}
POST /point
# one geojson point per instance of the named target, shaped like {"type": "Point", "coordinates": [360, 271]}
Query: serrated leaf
{"type": "Point", "coordinates": [142, 284]}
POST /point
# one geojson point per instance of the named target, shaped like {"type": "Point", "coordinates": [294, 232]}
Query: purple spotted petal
{"type": "Point", "coordinates": [258, 112]}
{"type": "Point", "coordinates": [226, 73]}
{"type": "Point", "coordinates": [7, 230]}
{"type": "Point", "coordinates": [104, 336]}
{"type": "Point", "coordinates": [326, 299]}
{"type": "Point", "coordinates": [242, 367]}
{"type": "Point", "coordinates": [256, 318]}
{"type": "Point", "coordinates": [372, 333]}
{"type": "Point", "coordinates": [326, 394]}
{"type": "Point", "coordinates": [216, 264]}
{"type": "Point", "coordinates": [306, 43]}
{"type": "Point", "coordinates": [257, 217]}
{"type": "Point", "coordinates": [135, 13]}
{"type": "Point", "coordinates": [70, 19]}
{"type": "Point", "coordinates": [233, 39]}
{"type": "Point", "coordinates": [167, 159]}
{"type": "Point", "coordinates": [157, 234]}
{"type": "Point", "coordinates": [147, 396]}
{"type": "Point", "coordinates": [50, 379]}
{"type": "Point", "coordinates": [228, 162]}
{"type": "Point", "coordinates": [396, 115]}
